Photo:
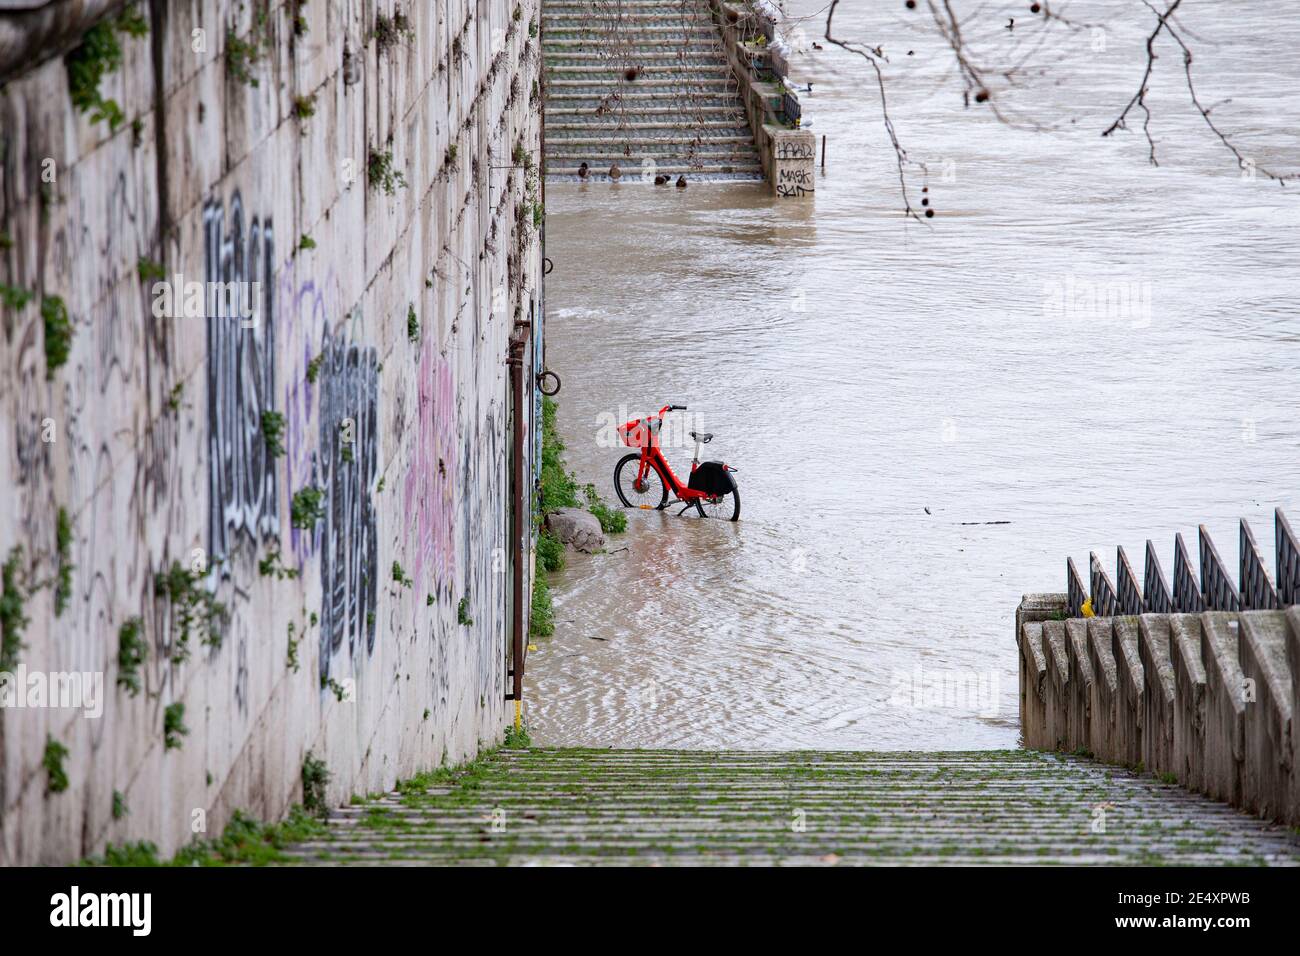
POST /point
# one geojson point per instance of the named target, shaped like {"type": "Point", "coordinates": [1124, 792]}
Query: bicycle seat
{"type": "Point", "coordinates": [704, 437]}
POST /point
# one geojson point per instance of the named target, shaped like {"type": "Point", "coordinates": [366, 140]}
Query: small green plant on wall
{"type": "Point", "coordinates": [412, 324]}
{"type": "Point", "coordinates": [380, 173]}
{"type": "Point", "coordinates": [315, 777]}
{"type": "Point", "coordinates": [57, 778]}
{"type": "Point", "coordinates": [174, 728]}
{"type": "Point", "coordinates": [63, 549]}
{"type": "Point", "coordinates": [273, 432]}
{"type": "Point", "coordinates": [307, 508]}
{"type": "Point", "coordinates": [193, 606]}
{"type": "Point", "coordinates": [58, 333]}
{"type": "Point", "coordinates": [131, 653]}
{"type": "Point", "coordinates": [12, 602]}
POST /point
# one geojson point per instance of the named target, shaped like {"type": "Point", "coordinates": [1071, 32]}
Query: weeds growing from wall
{"type": "Point", "coordinates": [131, 653]}
{"type": "Point", "coordinates": [273, 432]}
{"type": "Point", "coordinates": [119, 805]}
{"type": "Point", "coordinates": [98, 55]}
{"type": "Point", "coordinates": [304, 107]}
{"type": "Point", "coordinates": [174, 728]}
{"type": "Point", "coordinates": [559, 488]}
{"type": "Point", "coordinates": [57, 778]}
{"type": "Point", "coordinates": [193, 606]}
{"type": "Point", "coordinates": [243, 841]}
{"type": "Point", "coordinates": [58, 333]}
{"type": "Point", "coordinates": [292, 656]}
{"type": "Point", "coordinates": [315, 777]}
{"type": "Point", "coordinates": [307, 242]}
{"type": "Point", "coordinates": [148, 270]}
{"type": "Point", "coordinates": [334, 687]}
{"type": "Point", "coordinates": [380, 173]}
{"type": "Point", "coordinates": [271, 566]}
{"type": "Point", "coordinates": [412, 325]}
{"type": "Point", "coordinates": [12, 601]}
{"type": "Point", "coordinates": [462, 613]}
{"type": "Point", "coordinates": [517, 738]}
{"type": "Point", "coordinates": [307, 508]}
{"type": "Point", "coordinates": [390, 31]}
{"type": "Point", "coordinates": [550, 551]}
{"type": "Point", "coordinates": [313, 367]}
{"type": "Point", "coordinates": [13, 297]}
{"type": "Point", "coordinates": [242, 55]}
{"type": "Point", "coordinates": [541, 620]}
{"type": "Point", "coordinates": [63, 550]}
{"type": "Point", "coordinates": [400, 576]}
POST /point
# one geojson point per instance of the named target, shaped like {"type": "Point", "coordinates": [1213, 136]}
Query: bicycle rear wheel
{"type": "Point", "coordinates": [653, 492]}
{"type": "Point", "coordinates": [724, 508]}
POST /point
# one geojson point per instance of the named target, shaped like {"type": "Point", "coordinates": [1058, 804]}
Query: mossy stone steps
{"type": "Point", "coordinates": [545, 806]}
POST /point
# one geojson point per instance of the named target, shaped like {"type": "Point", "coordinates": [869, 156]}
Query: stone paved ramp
{"type": "Point", "coordinates": [691, 807]}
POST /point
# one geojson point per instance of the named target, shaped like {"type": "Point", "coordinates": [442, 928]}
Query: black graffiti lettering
{"type": "Point", "coordinates": [794, 150]}
{"type": "Point", "coordinates": [243, 501]}
{"type": "Point", "coordinates": [350, 543]}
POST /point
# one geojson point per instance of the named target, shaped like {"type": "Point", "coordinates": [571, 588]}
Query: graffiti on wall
{"type": "Point", "coordinates": [239, 257]}
{"type": "Point", "coordinates": [347, 466]}
{"type": "Point", "coordinates": [428, 493]}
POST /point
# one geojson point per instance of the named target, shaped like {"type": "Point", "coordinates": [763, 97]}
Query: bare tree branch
{"type": "Point", "coordinates": [875, 57]}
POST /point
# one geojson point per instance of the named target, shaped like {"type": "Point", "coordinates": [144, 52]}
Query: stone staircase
{"type": "Point", "coordinates": [694, 807]}
{"type": "Point", "coordinates": [643, 85]}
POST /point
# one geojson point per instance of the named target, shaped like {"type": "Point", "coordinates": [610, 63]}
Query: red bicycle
{"type": "Point", "coordinates": [643, 479]}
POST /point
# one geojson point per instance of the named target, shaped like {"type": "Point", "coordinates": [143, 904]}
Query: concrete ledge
{"type": "Point", "coordinates": [1130, 682]}
{"type": "Point", "coordinates": [1158, 693]}
{"type": "Point", "coordinates": [1079, 703]}
{"type": "Point", "coordinates": [1033, 676]}
{"type": "Point", "coordinates": [1057, 685]}
{"type": "Point", "coordinates": [1267, 690]}
{"type": "Point", "coordinates": [1224, 707]}
{"type": "Point", "coordinates": [1189, 700]}
{"type": "Point", "coordinates": [1105, 690]}
{"type": "Point", "coordinates": [1208, 699]}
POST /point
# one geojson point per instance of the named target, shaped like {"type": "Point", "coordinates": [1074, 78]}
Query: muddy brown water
{"type": "Point", "coordinates": [1081, 350]}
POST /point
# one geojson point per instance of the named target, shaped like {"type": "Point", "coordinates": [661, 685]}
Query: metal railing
{"type": "Point", "coordinates": [1212, 590]}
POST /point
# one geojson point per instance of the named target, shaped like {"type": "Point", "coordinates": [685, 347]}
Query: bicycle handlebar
{"type": "Point", "coordinates": [672, 408]}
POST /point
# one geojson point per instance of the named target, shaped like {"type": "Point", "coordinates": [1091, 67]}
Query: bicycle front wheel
{"type": "Point", "coordinates": [650, 493]}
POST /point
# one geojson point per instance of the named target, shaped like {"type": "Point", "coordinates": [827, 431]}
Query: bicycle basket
{"type": "Point", "coordinates": [640, 432]}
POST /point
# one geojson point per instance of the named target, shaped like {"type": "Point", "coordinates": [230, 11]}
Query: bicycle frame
{"type": "Point", "coordinates": [653, 456]}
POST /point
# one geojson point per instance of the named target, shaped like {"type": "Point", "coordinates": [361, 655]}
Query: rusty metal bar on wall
{"type": "Point", "coordinates": [522, 523]}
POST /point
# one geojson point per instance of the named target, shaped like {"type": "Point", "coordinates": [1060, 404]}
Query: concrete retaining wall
{"type": "Point", "coordinates": [788, 153]}
{"type": "Point", "coordinates": [1205, 699]}
{"type": "Point", "coordinates": [254, 146]}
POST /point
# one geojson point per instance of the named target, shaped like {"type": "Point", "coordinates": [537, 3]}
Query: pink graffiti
{"type": "Point", "coordinates": [429, 501]}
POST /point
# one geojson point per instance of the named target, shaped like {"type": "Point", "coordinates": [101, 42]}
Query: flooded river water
{"type": "Point", "coordinates": [928, 418]}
